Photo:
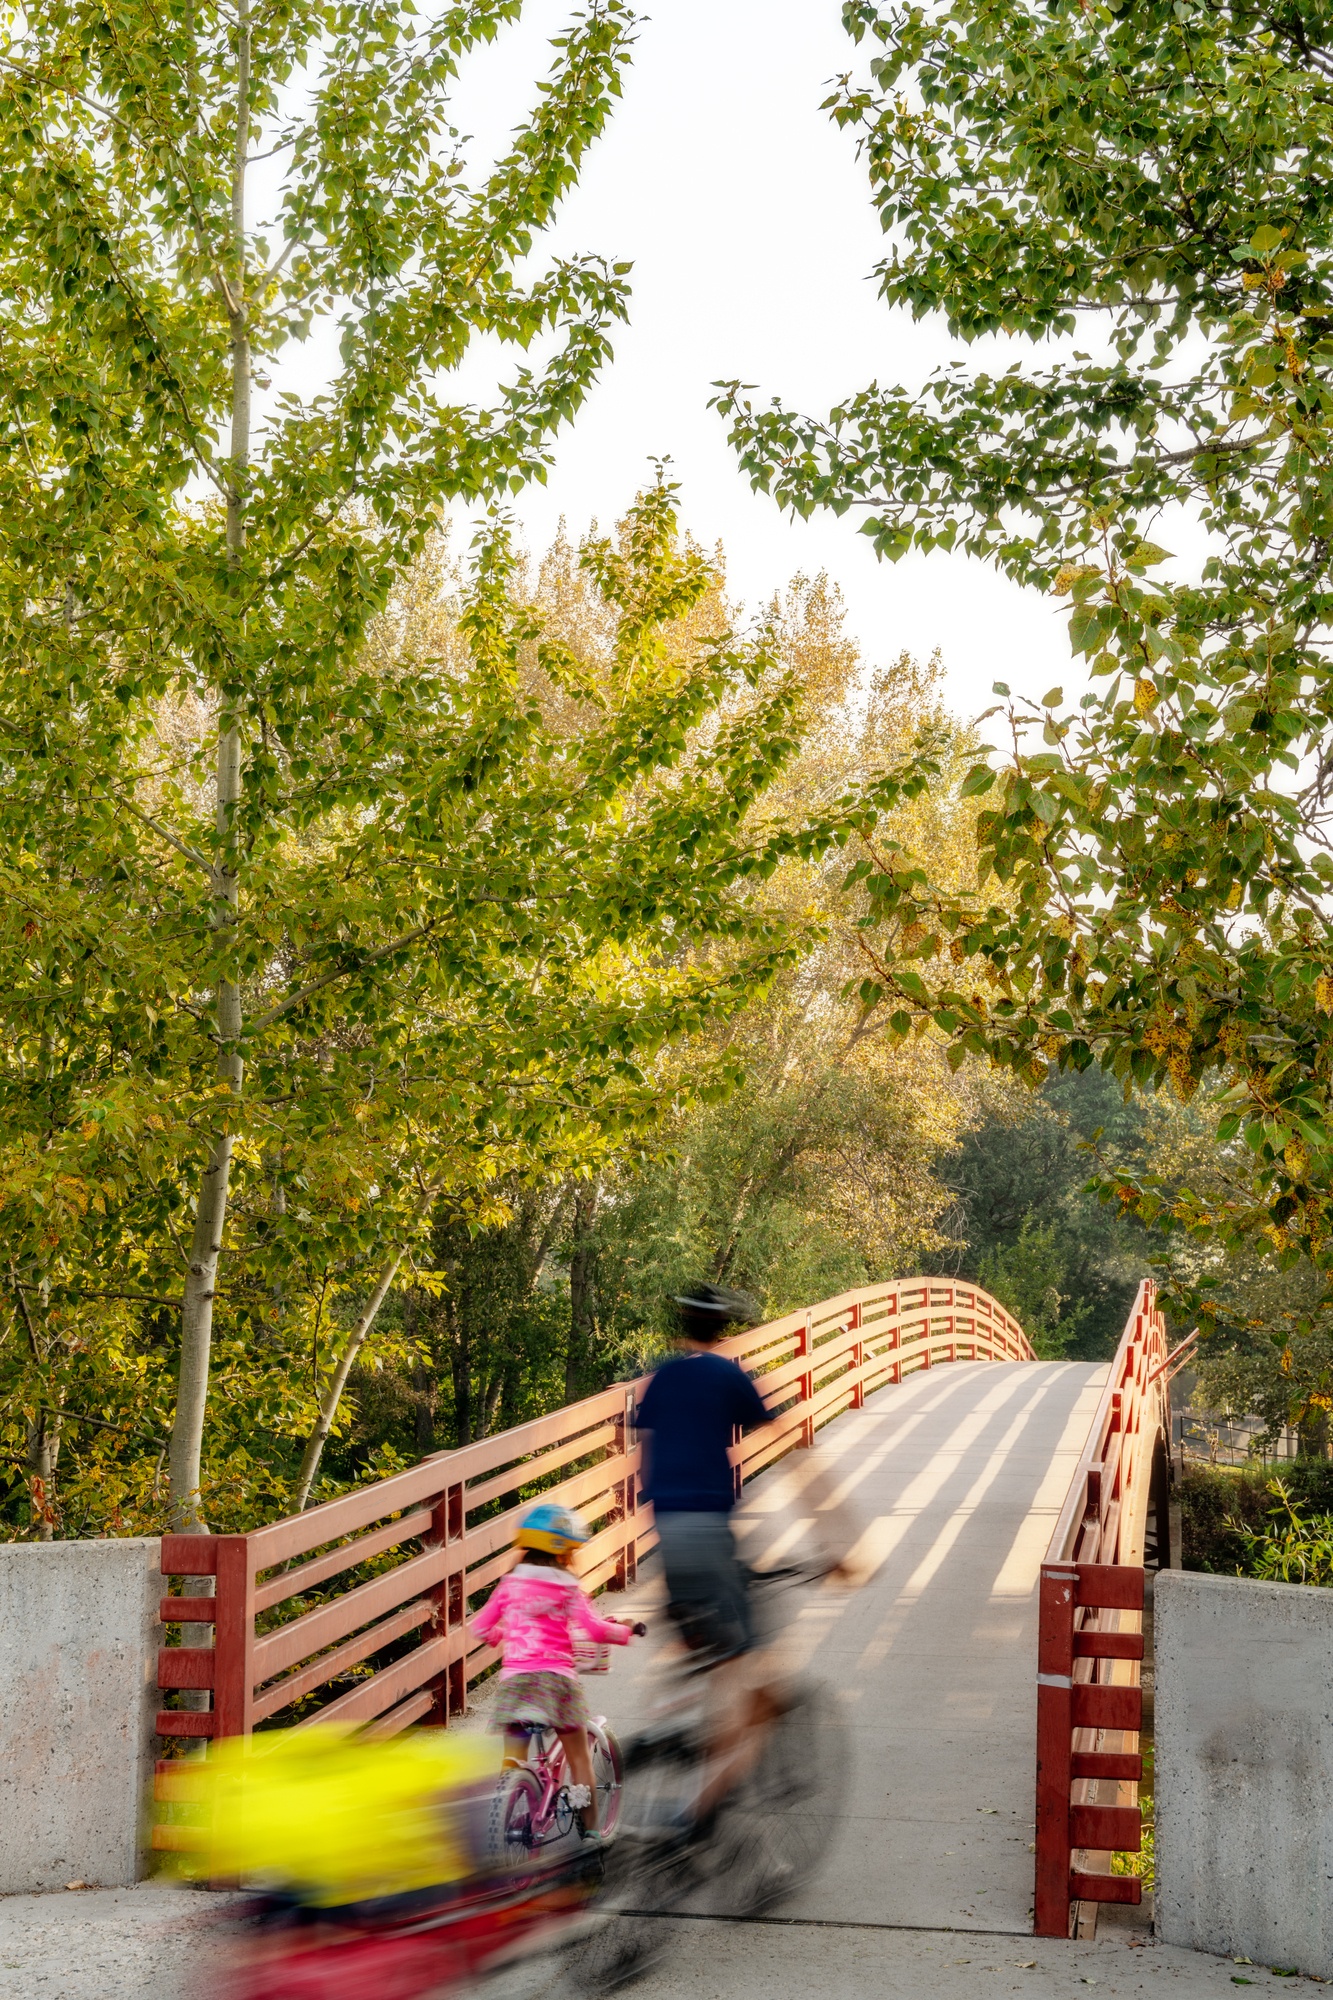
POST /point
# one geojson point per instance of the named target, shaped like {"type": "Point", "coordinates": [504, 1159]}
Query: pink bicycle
{"type": "Point", "coordinates": [534, 1809]}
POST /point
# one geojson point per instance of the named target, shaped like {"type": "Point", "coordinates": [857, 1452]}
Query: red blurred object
{"type": "Point", "coordinates": [427, 1943]}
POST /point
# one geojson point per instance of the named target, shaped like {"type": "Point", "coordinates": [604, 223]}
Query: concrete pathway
{"type": "Point", "coordinates": [149, 1943]}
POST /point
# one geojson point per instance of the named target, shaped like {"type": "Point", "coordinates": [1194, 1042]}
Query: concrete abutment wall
{"type": "Point", "coordinates": [78, 1658]}
{"type": "Point", "coordinates": [1244, 1780]}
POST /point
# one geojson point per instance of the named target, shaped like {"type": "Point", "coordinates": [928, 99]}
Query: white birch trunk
{"type": "Point", "coordinates": [328, 1407]}
{"type": "Point", "coordinates": [187, 1434]}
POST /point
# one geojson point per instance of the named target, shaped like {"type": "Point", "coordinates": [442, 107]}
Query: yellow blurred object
{"type": "Point", "coordinates": [336, 1817]}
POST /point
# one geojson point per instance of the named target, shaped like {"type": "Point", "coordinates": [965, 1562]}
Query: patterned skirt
{"type": "Point", "coordinates": [557, 1700]}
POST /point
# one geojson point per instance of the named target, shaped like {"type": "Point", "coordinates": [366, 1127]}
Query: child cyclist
{"type": "Point", "coordinates": [533, 1615]}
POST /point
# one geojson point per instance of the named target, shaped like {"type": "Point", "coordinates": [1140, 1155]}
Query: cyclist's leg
{"type": "Point", "coordinates": [578, 1762]}
{"type": "Point", "coordinates": [707, 1584]}
{"type": "Point", "coordinates": [708, 1588]}
{"type": "Point", "coordinates": [744, 1706]}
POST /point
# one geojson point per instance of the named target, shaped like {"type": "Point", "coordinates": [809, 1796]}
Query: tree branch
{"type": "Point", "coordinates": [181, 847]}
{"type": "Point", "coordinates": [304, 993]}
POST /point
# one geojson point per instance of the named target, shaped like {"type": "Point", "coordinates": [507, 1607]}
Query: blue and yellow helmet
{"type": "Point", "coordinates": [553, 1528]}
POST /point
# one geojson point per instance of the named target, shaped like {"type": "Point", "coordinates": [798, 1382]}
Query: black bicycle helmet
{"type": "Point", "coordinates": [707, 1310]}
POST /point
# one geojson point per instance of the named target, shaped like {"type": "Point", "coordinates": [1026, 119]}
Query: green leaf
{"type": "Point", "coordinates": [1145, 555]}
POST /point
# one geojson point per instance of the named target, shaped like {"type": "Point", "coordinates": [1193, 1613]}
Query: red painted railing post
{"type": "Point", "coordinates": [858, 1358]}
{"type": "Point", "coordinates": [625, 1497]}
{"type": "Point", "coordinates": [455, 1584]}
{"type": "Point", "coordinates": [804, 1342]}
{"type": "Point", "coordinates": [437, 1716]}
{"type": "Point", "coordinates": [1099, 1539]}
{"type": "Point", "coordinates": [1055, 1696]}
{"type": "Point", "coordinates": [234, 1637]}
{"type": "Point", "coordinates": [448, 1527]}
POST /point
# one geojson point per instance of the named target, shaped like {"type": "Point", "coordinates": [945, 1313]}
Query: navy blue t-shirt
{"type": "Point", "coordinates": [692, 1405]}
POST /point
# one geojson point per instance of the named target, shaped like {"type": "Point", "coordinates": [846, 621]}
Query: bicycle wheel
{"type": "Point", "coordinates": [775, 1830]}
{"type": "Point", "coordinates": [515, 1810]}
{"type": "Point", "coordinates": [608, 1771]}
{"type": "Point", "coordinates": [661, 1766]}
{"type": "Point", "coordinates": [631, 1928]}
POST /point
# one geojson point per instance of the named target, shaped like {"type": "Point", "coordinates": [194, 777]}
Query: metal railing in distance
{"type": "Point", "coordinates": [295, 1638]}
{"type": "Point", "coordinates": [1090, 1643]}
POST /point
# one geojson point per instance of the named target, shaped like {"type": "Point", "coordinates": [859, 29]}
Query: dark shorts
{"type": "Point", "coordinates": [557, 1700]}
{"type": "Point", "coordinates": [708, 1586]}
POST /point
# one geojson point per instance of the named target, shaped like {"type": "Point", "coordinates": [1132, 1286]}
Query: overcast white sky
{"type": "Point", "coordinates": [747, 217]}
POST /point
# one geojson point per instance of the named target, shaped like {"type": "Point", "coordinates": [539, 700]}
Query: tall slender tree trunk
{"type": "Point", "coordinates": [490, 1404]}
{"type": "Point", "coordinates": [423, 1409]}
{"type": "Point", "coordinates": [754, 1184]}
{"type": "Point", "coordinates": [187, 1434]}
{"type": "Point", "coordinates": [509, 1392]}
{"type": "Point", "coordinates": [43, 1431]}
{"type": "Point", "coordinates": [328, 1408]}
{"type": "Point", "coordinates": [43, 1454]}
{"type": "Point", "coordinates": [424, 1386]}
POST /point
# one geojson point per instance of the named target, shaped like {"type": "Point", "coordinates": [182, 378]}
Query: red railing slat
{"type": "Point", "coordinates": [1106, 1764]}
{"type": "Point", "coordinates": [187, 1610]}
{"type": "Point", "coordinates": [188, 1555]}
{"type": "Point", "coordinates": [186, 1666]}
{"type": "Point", "coordinates": [1089, 1645]}
{"type": "Point", "coordinates": [273, 1699]}
{"type": "Point", "coordinates": [1105, 1888]}
{"type": "Point", "coordinates": [1116, 1828]}
{"type": "Point", "coordinates": [293, 1582]}
{"type": "Point", "coordinates": [315, 1629]}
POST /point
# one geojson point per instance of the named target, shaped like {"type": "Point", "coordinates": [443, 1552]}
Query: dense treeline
{"type": "Point", "coordinates": [479, 1201]}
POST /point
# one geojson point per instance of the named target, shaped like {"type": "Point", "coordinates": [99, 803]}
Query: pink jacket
{"type": "Point", "coordinates": [530, 1615]}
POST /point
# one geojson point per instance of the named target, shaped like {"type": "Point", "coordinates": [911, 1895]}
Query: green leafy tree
{"type": "Point", "coordinates": [473, 922]}
{"type": "Point", "coordinates": [1025, 1166]}
{"type": "Point", "coordinates": [1266, 1346]}
{"type": "Point", "coordinates": [483, 1339]}
{"type": "Point", "coordinates": [188, 192]}
{"type": "Point", "coordinates": [823, 1169]}
{"type": "Point", "coordinates": [818, 1169]}
{"type": "Point", "coordinates": [1153, 182]}
{"type": "Point", "coordinates": [1292, 1547]}
{"type": "Point", "coordinates": [1027, 1276]}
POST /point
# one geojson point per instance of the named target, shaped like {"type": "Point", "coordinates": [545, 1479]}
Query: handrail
{"type": "Point", "coordinates": [1090, 1638]}
{"type": "Point", "coordinates": [393, 1646]}
{"type": "Point", "coordinates": [1179, 1357]}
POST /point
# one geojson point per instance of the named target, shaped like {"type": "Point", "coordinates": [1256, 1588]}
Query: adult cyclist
{"type": "Point", "coordinates": [691, 1412]}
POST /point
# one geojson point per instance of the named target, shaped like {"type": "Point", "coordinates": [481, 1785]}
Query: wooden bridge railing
{"type": "Point", "coordinates": [357, 1610]}
{"type": "Point", "coordinates": [1089, 1698]}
